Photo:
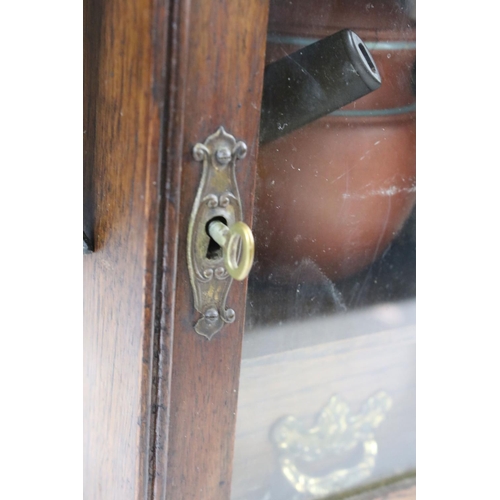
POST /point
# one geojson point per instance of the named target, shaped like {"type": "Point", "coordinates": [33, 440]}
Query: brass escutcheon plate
{"type": "Point", "coordinates": [217, 199]}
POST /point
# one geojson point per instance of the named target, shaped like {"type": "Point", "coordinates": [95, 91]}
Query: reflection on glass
{"type": "Point", "coordinates": [331, 298]}
{"type": "Point", "coordinates": [336, 433]}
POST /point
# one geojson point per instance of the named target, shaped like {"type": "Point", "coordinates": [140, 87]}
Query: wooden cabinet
{"type": "Point", "coordinates": [161, 401]}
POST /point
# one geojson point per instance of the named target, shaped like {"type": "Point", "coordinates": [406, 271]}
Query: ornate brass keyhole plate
{"type": "Point", "coordinates": [217, 217]}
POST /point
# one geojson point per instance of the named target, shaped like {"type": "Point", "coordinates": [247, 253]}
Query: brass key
{"type": "Point", "coordinates": [228, 238]}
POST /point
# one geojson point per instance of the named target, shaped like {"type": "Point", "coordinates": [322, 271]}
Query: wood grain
{"type": "Point", "coordinates": [124, 59]}
{"type": "Point", "coordinates": [224, 45]}
{"type": "Point", "coordinates": [160, 401]}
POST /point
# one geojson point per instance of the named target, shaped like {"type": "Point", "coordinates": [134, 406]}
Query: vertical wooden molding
{"type": "Point", "coordinates": [168, 242]}
{"type": "Point", "coordinates": [124, 92]}
{"type": "Point", "coordinates": [160, 401]}
{"type": "Point", "coordinates": [219, 50]}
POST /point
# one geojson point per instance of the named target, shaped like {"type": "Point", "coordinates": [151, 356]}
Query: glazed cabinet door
{"type": "Point", "coordinates": [299, 381]}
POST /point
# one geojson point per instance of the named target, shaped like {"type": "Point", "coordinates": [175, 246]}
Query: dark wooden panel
{"type": "Point", "coordinates": [156, 393]}
{"type": "Point", "coordinates": [124, 61]}
{"type": "Point", "coordinates": [219, 81]}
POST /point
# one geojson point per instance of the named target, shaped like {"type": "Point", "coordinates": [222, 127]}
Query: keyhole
{"type": "Point", "coordinates": [214, 250]}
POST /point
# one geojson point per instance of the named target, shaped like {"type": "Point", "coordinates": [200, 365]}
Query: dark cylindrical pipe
{"type": "Point", "coordinates": [315, 81]}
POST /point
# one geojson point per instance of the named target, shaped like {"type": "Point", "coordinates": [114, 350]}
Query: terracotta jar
{"type": "Point", "coordinates": [340, 189]}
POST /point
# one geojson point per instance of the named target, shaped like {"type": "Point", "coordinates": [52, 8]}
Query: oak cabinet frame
{"type": "Point", "coordinates": [159, 399]}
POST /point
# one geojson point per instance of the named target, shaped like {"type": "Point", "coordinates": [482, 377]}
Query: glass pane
{"type": "Point", "coordinates": [327, 391]}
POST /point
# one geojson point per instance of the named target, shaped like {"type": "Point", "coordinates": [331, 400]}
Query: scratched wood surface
{"type": "Point", "coordinates": [124, 58]}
